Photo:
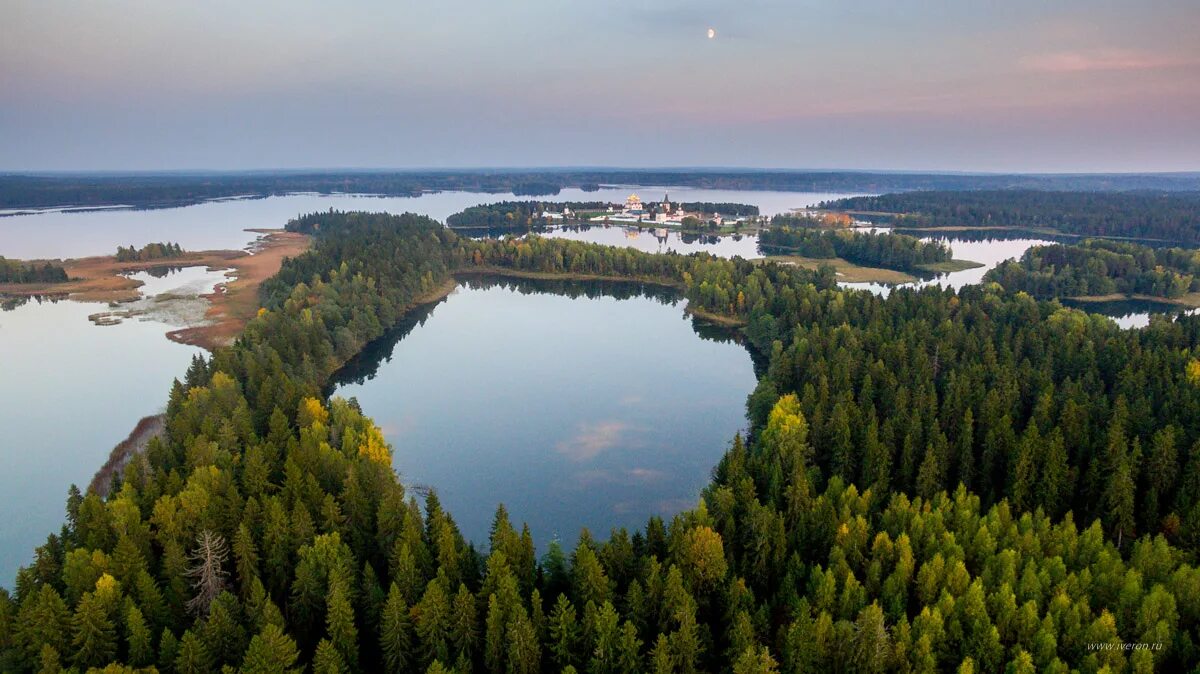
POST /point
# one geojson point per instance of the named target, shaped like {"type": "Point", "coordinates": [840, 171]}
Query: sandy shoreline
{"type": "Point", "coordinates": [233, 302]}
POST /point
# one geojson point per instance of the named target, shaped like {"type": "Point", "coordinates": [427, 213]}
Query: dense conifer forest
{"type": "Point", "coordinates": [1152, 215]}
{"type": "Point", "coordinates": [967, 481]}
{"type": "Point", "coordinates": [1101, 267]}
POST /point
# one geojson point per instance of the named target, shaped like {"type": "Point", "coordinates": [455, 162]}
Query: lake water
{"type": "Point", "coordinates": [222, 224]}
{"type": "Point", "coordinates": [597, 410]}
{"type": "Point", "coordinates": [69, 391]}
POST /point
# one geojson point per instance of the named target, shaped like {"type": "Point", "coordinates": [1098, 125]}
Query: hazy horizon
{"type": "Point", "coordinates": [1019, 87]}
{"type": "Point", "coordinates": [565, 168]}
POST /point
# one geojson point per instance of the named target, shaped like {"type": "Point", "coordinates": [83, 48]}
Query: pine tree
{"type": "Point", "coordinates": [629, 658]}
{"type": "Point", "coordinates": [138, 639]}
{"type": "Point", "coordinates": [432, 618]}
{"type": "Point", "coordinates": [43, 620]}
{"type": "Point", "coordinates": [605, 641]}
{"type": "Point", "coordinates": [929, 476]}
{"type": "Point", "coordinates": [95, 640]}
{"type": "Point", "coordinates": [328, 659]}
{"type": "Point", "coordinates": [662, 661]}
{"type": "Point", "coordinates": [271, 652]}
{"type": "Point", "coordinates": [193, 656]}
{"type": "Point", "coordinates": [245, 555]}
{"type": "Point", "coordinates": [524, 652]}
{"type": "Point", "coordinates": [686, 647]}
{"type": "Point", "coordinates": [464, 623]}
{"type": "Point", "coordinates": [396, 632]}
{"type": "Point", "coordinates": [168, 650]}
{"type": "Point", "coordinates": [493, 636]}
{"type": "Point", "coordinates": [755, 660]}
{"type": "Point", "coordinates": [1119, 495]}
{"type": "Point", "coordinates": [222, 632]}
{"type": "Point", "coordinates": [872, 646]}
{"type": "Point", "coordinates": [588, 578]}
{"type": "Point", "coordinates": [1054, 485]}
{"type": "Point", "coordinates": [563, 632]}
{"type": "Point", "coordinates": [339, 625]}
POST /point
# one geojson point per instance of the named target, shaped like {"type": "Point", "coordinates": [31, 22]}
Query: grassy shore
{"type": "Point", "coordinates": [950, 265]}
{"type": "Point", "coordinates": [846, 271]}
{"type": "Point", "coordinates": [853, 273]}
{"type": "Point", "coordinates": [235, 302]}
{"type": "Point", "coordinates": [1189, 300]}
{"type": "Point", "coordinates": [104, 279]}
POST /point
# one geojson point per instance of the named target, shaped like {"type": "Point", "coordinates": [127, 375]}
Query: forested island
{"type": "Point", "coordinates": [1166, 216]}
{"type": "Point", "coordinates": [967, 481]}
{"type": "Point", "coordinates": [516, 215]}
{"type": "Point", "coordinates": [17, 271]}
{"type": "Point", "coordinates": [150, 251]}
{"type": "Point", "coordinates": [160, 190]}
{"type": "Point", "coordinates": [1097, 267]}
{"type": "Point", "coordinates": [870, 249]}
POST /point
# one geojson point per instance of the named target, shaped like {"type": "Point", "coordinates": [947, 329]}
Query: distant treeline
{"type": "Point", "coordinates": [1153, 215]}
{"type": "Point", "coordinates": [535, 188]}
{"type": "Point", "coordinates": [16, 271]}
{"type": "Point", "coordinates": [726, 208]}
{"type": "Point", "coordinates": [823, 220]}
{"type": "Point", "coordinates": [154, 190]}
{"type": "Point", "coordinates": [150, 251]}
{"type": "Point", "coordinates": [1100, 267]}
{"type": "Point", "coordinates": [887, 250]}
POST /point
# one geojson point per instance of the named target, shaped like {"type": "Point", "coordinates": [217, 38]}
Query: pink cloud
{"type": "Point", "coordinates": [591, 440]}
{"type": "Point", "coordinates": [1100, 60]}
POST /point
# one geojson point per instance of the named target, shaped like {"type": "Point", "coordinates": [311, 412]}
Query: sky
{"type": "Point", "coordinates": [963, 85]}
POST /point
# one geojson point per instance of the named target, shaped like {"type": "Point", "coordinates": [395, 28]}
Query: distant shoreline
{"type": "Point", "coordinates": [39, 191]}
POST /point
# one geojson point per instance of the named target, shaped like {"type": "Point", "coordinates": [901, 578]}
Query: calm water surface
{"type": "Point", "coordinates": [594, 411]}
{"type": "Point", "coordinates": [222, 224]}
{"type": "Point", "coordinates": [69, 391]}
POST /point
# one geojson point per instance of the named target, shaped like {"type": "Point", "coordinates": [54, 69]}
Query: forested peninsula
{"type": "Point", "coordinates": [969, 481]}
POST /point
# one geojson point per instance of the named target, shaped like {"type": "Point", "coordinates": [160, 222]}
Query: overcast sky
{"type": "Point", "coordinates": [1004, 85]}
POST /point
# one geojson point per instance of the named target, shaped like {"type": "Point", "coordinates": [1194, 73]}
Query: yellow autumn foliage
{"type": "Point", "coordinates": [312, 411]}
{"type": "Point", "coordinates": [1193, 372]}
{"type": "Point", "coordinates": [374, 447]}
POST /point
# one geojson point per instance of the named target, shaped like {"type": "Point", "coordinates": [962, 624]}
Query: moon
{"type": "Point", "coordinates": [712, 32]}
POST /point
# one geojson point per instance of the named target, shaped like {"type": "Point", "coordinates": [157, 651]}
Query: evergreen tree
{"type": "Point", "coordinates": [396, 633]}
{"type": "Point", "coordinates": [339, 626]}
{"type": "Point", "coordinates": [271, 652]}
{"type": "Point", "coordinates": [95, 640]}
